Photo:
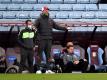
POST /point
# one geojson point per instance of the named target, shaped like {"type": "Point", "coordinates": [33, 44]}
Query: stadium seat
{"type": "Point", "coordinates": [103, 7]}
{"type": "Point", "coordinates": [5, 1]}
{"type": "Point", "coordinates": [30, 1]}
{"type": "Point", "coordinates": [38, 7]}
{"type": "Point", "coordinates": [3, 28]}
{"type": "Point", "coordinates": [56, 1]}
{"type": "Point", "coordinates": [62, 15]}
{"type": "Point", "coordinates": [101, 15]}
{"type": "Point", "coordinates": [99, 29]}
{"type": "Point", "coordinates": [22, 15]}
{"type": "Point", "coordinates": [104, 28]}
{"type": "Point", "coordinates": [65, 7]}
{"type": "Point", "coordinates": [54, 7]}
{"type": "Point", "coordinates": [27, 7]}
{"type": "Point", "coordinates": [91, 7]}
{"type": "Point", "coordinates": [79, 7]}
{"type": "Point", "coordinates": [35, 14]}
{"type": "Point", "coordinates": [56, 50]}
{"type": "Point", "coordinates": [3, 7]}
{"type": "Point", "coordinates": [9, 15]}
{"type": "Point", "coordinates": [1, 16]}
{"type": "Point", "coordinates": [44, 1]}
{"type": "Point", "coordinates": [14, 7]}
{"type": "Point", "coordinates": [11, 55]}
{"type": "Point", "coordinates": [88, 15]}
{"type": "Point", "coordinates": [78, 50]}
{"type": "Point", "coordinates": [17, 1]}
{"type": "Point", "coordinates": [80, 28]}
{"type": "Point", "coordinates": [52, 14]}
{"type": "Point", "coordinates": [69, 1]}
{"type": "Point", "coordinates": [75, 15]}
{"type": "Point", "coordinates": [95, 55]}
{"type": "Point", "coordinates": [93, 1]}
{"type": "Point", "coordinates": [82, 1]}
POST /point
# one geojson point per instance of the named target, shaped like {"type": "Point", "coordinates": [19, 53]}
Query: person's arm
{"type": "Point", "coordinates": [37, 23]}
{"type": "Point", "coordinates": [56, 26]}
{"type": "Point", "coordinates": [20, 38]}
{"type": "Point", "coordinates": [75, 59]}
{"type": "Point", "coordinates": [65, 58]}
{"type": "Point", "coordinates": [35, 37]}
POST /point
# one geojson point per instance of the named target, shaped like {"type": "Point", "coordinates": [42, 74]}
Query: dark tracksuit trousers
{"type": "Point", "coordinates": [45, 45]}
{"type": "Point", "coordinates": [27, 54]}
{"type": "Point", "coordinates": [82, 65]}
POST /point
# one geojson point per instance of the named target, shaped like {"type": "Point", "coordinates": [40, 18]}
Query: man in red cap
{"type": "Point", "coordinates": [44, 26]}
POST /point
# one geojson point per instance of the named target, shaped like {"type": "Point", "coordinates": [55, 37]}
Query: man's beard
{"type": "Point", "coordinates": [45, 14]}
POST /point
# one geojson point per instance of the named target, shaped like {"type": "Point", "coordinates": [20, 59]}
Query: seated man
{"type": "Point", "coordinates": [73, 61]}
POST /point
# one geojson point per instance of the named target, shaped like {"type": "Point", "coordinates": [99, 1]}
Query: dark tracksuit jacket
{"type": "Point", "coordinates": [44, 26]}
{"type": "Point", "coordinates": [26, 40]}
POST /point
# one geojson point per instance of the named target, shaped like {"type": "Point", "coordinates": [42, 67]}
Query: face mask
{"type": "Point", "coordinates": [30, 26]}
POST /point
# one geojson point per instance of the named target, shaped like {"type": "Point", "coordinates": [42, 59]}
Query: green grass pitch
{"type": "Point", "coordinates": [70, 76]}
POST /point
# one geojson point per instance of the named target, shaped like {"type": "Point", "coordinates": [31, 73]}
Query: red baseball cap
{"type": "Point", "coordinates": [45, 8]}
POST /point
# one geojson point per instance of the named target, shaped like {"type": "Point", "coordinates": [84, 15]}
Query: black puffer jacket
{"type": "Point", "coordinates": [44, 26]}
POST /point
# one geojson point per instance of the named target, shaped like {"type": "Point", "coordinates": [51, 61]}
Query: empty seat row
{"type": "Point", "coordinates": [48, 1]}
{"type": "Point", "coordinates": [83, 15]}
{"type": "Point", "coordinates": [52, 7]}
{"type": "Point", "coordinates": [20, 15]}
{"type": "Point", "coordinates": [54, 15]}
{"type": "Point", "coordinates": [18, 1]}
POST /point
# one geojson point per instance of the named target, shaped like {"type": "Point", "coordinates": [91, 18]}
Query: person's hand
{"type": "Point", "coordinates": [76, 62]}
{"type": "Point", "coordinates": [34, 48]}
{"type": "Point", "coordinates": [85, 60]}
{"type": "Point", "coordinates": [69, 28]}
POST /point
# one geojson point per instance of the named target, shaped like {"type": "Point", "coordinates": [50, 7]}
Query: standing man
{"type": "Point", "coordinates": [44, 26]}
{"type": "Point", "coordinates": [26, 40]}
